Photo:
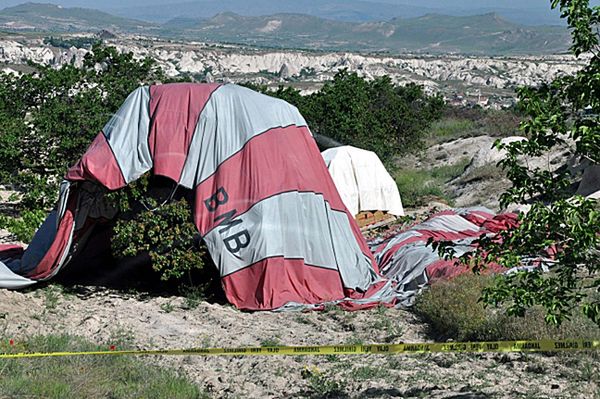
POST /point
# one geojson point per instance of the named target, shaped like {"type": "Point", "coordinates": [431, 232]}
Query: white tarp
{"type": "Point", "coordinates": [362, 181]}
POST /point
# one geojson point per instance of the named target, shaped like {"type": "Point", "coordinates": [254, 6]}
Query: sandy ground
{"type": "Point", "coordinates": [142, 321]}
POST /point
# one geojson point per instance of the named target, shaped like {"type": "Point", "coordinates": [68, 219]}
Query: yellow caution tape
{"type": "Point", "coordinates": [382, 349]}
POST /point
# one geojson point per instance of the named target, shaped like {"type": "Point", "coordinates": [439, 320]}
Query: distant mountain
{"type": "Point", "coordinates": [342, 10]}
{"type": "Point", "coordinates": [432, 33]}
{"type": "Point", "coordinates": [50, 17]}
{"type": "Point", "coordinates": [518, 11]}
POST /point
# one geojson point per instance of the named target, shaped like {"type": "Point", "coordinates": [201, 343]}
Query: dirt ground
{"type": "Point", "coordinates": [146, 321]}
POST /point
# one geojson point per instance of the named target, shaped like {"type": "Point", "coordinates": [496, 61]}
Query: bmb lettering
{"type": "Point", "coordinates": [218, 198]}
{"type": "Point", "coordinates": [236, 241]}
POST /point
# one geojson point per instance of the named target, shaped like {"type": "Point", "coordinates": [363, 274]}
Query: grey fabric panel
{"type": "Point", "coordinates": [354, 266]}
{"type": "Point", "coordinates": [409, 262]}
{"type": "Point", "coordinates": [65, 189]}
{"type": "Point", "coordinates": [590, 181]}
{"type": "Point", "coordinates": [448, 223]}
{"type": "Point", "coordinates": [231, 117]}
{"type": "Point", "coordinates": [127, 134]}
{"type": "Point", "coordinates": [294, 225]}
{"type": "Point", "coordinates": [466, 211]}
{"type": "Point", "coordinates": [396, 240]}
{"type": "Point", "coordinates": [8, 279]}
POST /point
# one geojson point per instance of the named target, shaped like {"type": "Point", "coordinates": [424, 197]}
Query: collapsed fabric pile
{"type": "Point", "coordinates": [265, 203]}
{"type": "Point", "coordinates": [405, 258]}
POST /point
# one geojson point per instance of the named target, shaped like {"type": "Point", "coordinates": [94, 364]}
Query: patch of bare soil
{"type": "Point", "coordinates": [131, 319]}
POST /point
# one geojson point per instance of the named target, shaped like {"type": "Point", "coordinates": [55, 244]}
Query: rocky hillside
{"type": "Point", "coordinates": [483, 80]}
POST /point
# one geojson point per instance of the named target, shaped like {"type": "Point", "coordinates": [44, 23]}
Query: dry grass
{"type": "Point", "coordinates": [85, 376]}
{"type": "Point", "coordinates": [453, 311]}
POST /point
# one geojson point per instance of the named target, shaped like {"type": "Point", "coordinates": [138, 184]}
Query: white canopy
{"type": "Point", "coordinates": [362, 181]}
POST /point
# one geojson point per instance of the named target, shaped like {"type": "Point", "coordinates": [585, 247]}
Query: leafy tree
{"type": "Point", "coordinates": [48, 118]}
{"type": "Point", "coordinates": [376, 115]}
{"type": "Point", "coordinates": [156, 219]}
{"type": "Point", "coordinates": [562, 114]}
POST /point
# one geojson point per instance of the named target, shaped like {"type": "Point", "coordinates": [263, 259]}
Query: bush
{"type": "Point", "coordinates": [50, 116]}
{"type": "Point", "coordinates": [416, 187]}
{"type": "Point", "coordinates": [25, 226]}
{"type": "Point", "coordinates": [155, 219]}
{"type": "Point", "coordinates": [453, 310]}
{"type": "Point", "coordinates": [376, 115]}
{"type": "Point", "coordinates": [167, 234]}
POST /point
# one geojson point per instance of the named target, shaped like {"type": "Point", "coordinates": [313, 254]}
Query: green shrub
{"type": "Point", "coordinates": [155, 220]}
{"type": "Point", "coordinates": [418, 186]}
{"type": "Point", "coordinates": [376, 115]}
{"type": "Point", "coordinates": [50, 116]}
{"type": "Point", "coordinates": [85, 376]}
{"type": "Point", "coordinates": [167, 234]}
{"type": "Point", "coordinates": [450, 128]}
{"type": "Point", "coordinates": [453, 311]}
{"type": "Point", "coordinates": [25, 226]}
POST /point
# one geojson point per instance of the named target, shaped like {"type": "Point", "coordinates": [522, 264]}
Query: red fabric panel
{"type": "Point", "coordinates": [444, 269]}
{"type": "Point", "coordinates": [447, 269]}
{"type": "Point", "coordinates": [349, 305]}
{"type": "Point", "coordinates": [174, 112]}
{"type": "Point", "coordinates": [270, 168]}
{"type": "Point", "coordinates": [9, 251]}
{"type": "Point", "coordinates": [426, 234]}
{"type": "Point", "coordinates": [502, 222]}
{"type": "Point", "coordinates": [439, 235]}
{"type": "Point", "coordinates": [50, 261]}
{"type": "Point", "coordinates": [98, 164]}
{"type": "Point", "coordinates": [273, 282]}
